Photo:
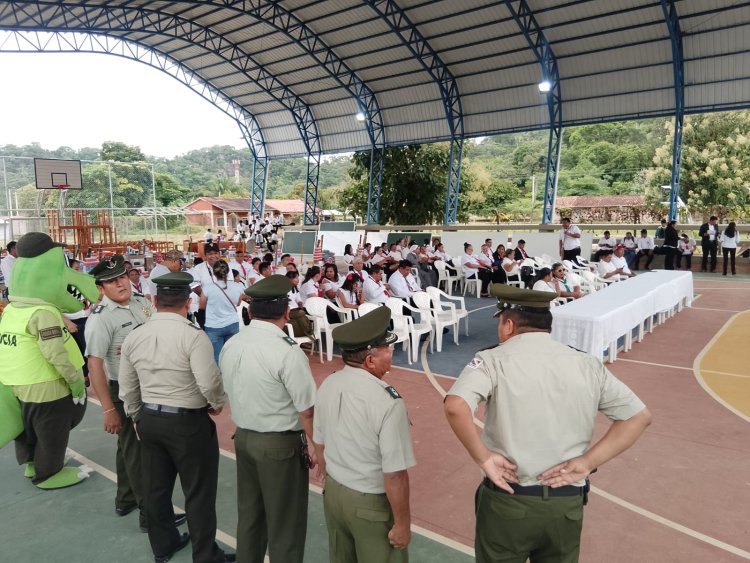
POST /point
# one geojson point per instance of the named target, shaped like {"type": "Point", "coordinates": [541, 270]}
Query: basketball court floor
{"type": "Point", "coordinates": [681, 494]}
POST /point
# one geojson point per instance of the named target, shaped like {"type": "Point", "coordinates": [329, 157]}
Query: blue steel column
{"type": "Point", "coordinates": [410, 36]}
{"type": "Point", "coordinates": [534, 34]}
{"type": "Point", "coordinates": [258, 186]}
{"type": "Point", "coordinates": [675, 35]}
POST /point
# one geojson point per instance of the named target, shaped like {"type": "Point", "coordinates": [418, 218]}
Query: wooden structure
{"type": "Point", "coordinates": [85, 235]}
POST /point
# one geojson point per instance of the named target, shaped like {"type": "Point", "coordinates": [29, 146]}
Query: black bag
{"type": "Point", "coordinates": [245, 316]}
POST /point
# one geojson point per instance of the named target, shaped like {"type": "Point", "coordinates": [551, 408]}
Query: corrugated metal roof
{"type": "Point", "coordinates": [614, 60]}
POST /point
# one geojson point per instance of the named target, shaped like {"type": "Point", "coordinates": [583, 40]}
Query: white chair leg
{"type": "Point", "coordinates": [439, 337]}
{"type": "Point", "coordinates": [455, 332]}
{"type": "Point", "coordinates": [329, 346]}
{"type": "Point", "coordinates": [466, 324]}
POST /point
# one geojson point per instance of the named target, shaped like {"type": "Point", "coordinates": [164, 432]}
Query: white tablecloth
{"type": "Point", "coordinates": [592, 322]}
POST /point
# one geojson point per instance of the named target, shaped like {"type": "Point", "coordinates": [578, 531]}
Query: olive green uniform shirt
{"type": "Point", "coordinates": [364, 428]}
{"type": "Point", "coordinates": [168, 361]}
{"type": "Point", "coordinates": [108, 326]}
{"type": "Point", "coordinates": [542, 398]}
{"type": "Point", "coordinates": [267, 377]}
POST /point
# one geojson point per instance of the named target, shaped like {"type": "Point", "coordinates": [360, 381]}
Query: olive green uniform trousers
{"type": "Point", "coordinates": [127, 460]}
{"type": "Point", "coordinates": [358, 526]}
{"type": "Point", "coordinates": [272, 493]}
{"type": "Point", "coordinates": [514, 528]}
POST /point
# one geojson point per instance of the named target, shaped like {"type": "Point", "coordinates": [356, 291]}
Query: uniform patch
{"type": "Point", "coordinates": [290, 340]}
{"type": "Point", "coordinates": [99, 308]}
{"type": "Point", "coordinates": [392, 392]}
{"type": "Point", "coordinates": [474, 363]}
{"type": "Point", "coordinates": [50, 333]}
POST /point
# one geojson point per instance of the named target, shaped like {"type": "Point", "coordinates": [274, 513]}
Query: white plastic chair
{"type": "Point", "coordinates": [516, 273]}
{"type": "Point", "coordinates": [461, 312]}
{"type": "Point", "coordinates": [316, 308]}
{"type": "Point", "coordinates": [304, 339]}
{"type": "Point", "coordinates": [416, 329]}
{"type": "Point", "coordinates": [439, 318]}
{"type": "Point", "coordinates": [400, 327]}
{"type": "Point", "coordinates": [446, 276]}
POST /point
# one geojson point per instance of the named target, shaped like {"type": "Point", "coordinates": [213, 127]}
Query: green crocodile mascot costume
{"type": "Point", "coordinates": [42, 391]}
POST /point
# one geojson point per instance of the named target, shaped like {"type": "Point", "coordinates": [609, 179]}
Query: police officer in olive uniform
{"type": "Point", "coordinates": [362, 431]}
{"type": "Point", "coordinates": [110, 322]}
{"type": "Point", "coordinates": [535, 450]}
{"type": "Point", "coordinates": [272, 392]}
{"type": "Point", "coordinates": [170, 384]}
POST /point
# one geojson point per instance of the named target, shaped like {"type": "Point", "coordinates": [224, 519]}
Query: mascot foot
{"type": "Point", "coordinates": [30, 471]}
{"type": "Point", "coordinates": [66, 477]}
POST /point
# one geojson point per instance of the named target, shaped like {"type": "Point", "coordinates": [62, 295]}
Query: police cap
{"type": "Point", "coordinates": [110, 268]}
{"type": "Point", "coordinates": [272, 288]}
{"type": "Point", "coordinates": [509, 297]}
{"type": "Point", "coordinates": [368, 331]}
{"type": "Point", "coordinates": [174, 282]}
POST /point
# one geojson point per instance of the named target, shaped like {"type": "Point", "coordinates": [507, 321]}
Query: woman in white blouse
{"type": "Point", "coordinates": [730, 240]}
{"type": "Point", "coordinates": [350, 295]}
{"type": "Point", "coordinates": [348, 254]}
{"type": "Point", "coordinates": [544, 281]}
{"type": "Point", "coordinates": [295, 297]}
{"type": "Point", "coordinates": [311, 285]}
{"type": "Point", "coordinates": [474, 268]}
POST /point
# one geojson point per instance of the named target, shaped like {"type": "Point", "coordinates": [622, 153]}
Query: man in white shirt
{"type": "Point", "coordinates": [6, 264]}
{"type": "Point", "coordinates": [606, 268]}
{"type": "Point", "coordinates": [281, 269]}
{"type": "Point", "coordinates": [203, 274]}
{"type": "Point", "coordinates": [241, 266]}
{"type": "Point", "coordinates": [606, 243]}
{"type": "Point", "coordinates": [358, 264]}
{"type": "Point", "coordinates": [402, 281]}
{"type": "Point", "coordinates": [172, 262]}
{"type": "Point", "coordinates": [570, 240]}
{"type": "Point", "coordinates": [619, 261]}
{"type": "Point", "coordinates": [208, 236]}
{"type": "Point", "coordinates": [375, 290]}
{"type": "Point", "coordinates": [645, 246]}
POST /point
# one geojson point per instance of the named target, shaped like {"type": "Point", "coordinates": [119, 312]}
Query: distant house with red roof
{"type": "Point", "coordinates": [606, 209]}
{"type": "Point", "coordinates": [225, 213]}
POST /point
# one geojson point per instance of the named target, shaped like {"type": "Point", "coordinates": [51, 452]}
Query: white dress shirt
{"type": "Point", "coordinates": [375, 292]}
{"type": "Point", "coordinates": [403, 286]}
{"type": "Point", "coordinates": [644, 243]}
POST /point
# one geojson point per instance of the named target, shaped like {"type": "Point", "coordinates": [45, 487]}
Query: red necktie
{"type": "Point", "coordinates": [385, 291]}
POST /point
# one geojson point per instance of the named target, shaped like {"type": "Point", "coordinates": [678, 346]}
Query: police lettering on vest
{"type": "Point", "coordinates": [8, 339]}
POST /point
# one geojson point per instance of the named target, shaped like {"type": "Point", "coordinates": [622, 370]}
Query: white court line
{"type": "Point", "coordinates": [232, 542]}
{"type": "Point", "coordinates": [654, 364]}
{"type": "Point", "coordinates": [493, 306]}
{"type": "Point", "coordinates": [621, 502]}
{"type": "Point", "coordinates": [725, 373]}
{"type": "Point", "coordinates": [710, 309]}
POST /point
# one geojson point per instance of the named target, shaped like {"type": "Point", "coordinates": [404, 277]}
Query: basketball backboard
{"type": "Point", "coordinates": [56, 174]}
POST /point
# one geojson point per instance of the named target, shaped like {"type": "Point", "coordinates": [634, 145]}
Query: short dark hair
{"type": "Point", "coordinates": [254, 260]}
{"type": "Point", "coordinates": [355, 356]}
{"type": "Point", "coordinates": [712, 218]}
{"type": "Point", "coordinates": [528, 321]}
{"type": "Point", "coordinates": [285, 256]}
{"type": "Point", "coordinates": [269, 310]}
{"type": "Point", "coordinates": [375, 269]}
{"type": "Point", "coordinates": [521, 241]}
{"type": "Point", "coordinates": [404, 264]}
{"type": "Point", "coordinates": [565, 220]}
{"type": "Point", "coordinates": [264, 266]}
{"type": "Point", "coordinates": [11, 245]}
{"type": "Point", "coordinates": [221, 269]}
{"type": "Point", "coordinates": [171, 299]}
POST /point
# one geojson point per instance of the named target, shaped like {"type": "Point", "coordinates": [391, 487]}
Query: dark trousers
{"type": "Point", "coordinates": [688, 261]}
{"type": "Point", "coordinates": [485, 276]}
{"type": "Point", "coordinates": [200, 317]}
{"type": "Point", "coordinates": [184, 445]}
{"type": "Point", "coordinates": [669, 256]}
{"type": "Point", "coordinates": [571, 254]}
{"type": "Point", "coordinates": [649, 254]}
{"type": "Point", "coordinates": [709, 247]}
{"type": "Point", "coordinates": [514, 528]}
{"type": "Point", "coordinates": [127, 460]}
{"type": "Point", "coordinates": [46, 429]}
{"type": "Point", "coordinates": [272, 491]}
{"type": "Point", "coordinates": [729, 255]}
{"type": "Point", "coordinates": [80, 338]}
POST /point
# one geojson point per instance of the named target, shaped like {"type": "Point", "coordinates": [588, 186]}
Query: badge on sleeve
{"type": "Point", "coordinates": [392, 392]}
{"type": "Point", "coordinates": [474, 363]}
{"type": "Point", "coordinates": [290, 341]}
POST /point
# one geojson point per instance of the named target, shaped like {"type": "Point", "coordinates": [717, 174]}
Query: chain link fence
{"type": "Point", "coordinates": [126, 190]}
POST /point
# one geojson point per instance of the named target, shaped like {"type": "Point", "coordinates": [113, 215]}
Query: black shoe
{"type": "Point", "coordinates": [124, 511]}
{"type": "Point", "coordinates": [183, 541]}
{"type": "Point", "coordinates": [179, 520]}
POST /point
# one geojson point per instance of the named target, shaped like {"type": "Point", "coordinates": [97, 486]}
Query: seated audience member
{"type": "Point", "coordinates": [441, 254]}
{"type": "Point", "coordinates": [618, 259]}
{"type": "Point", "coordinates": [630, 248]}
{"type": "Point", "coordinates": [498, 271]}
{"type": "Point", "coordinates": [561, 283]}
{"type": "Point", "coordinates": [378, 257]}
{"type": "Point", "coordinates": [402, 282]}
{"type": "Point", "coordinates": [685, 249]}
{"type": "Point", "coordinates": [358, 267]}
{"type": "Point", "coordinates": [329, 282]}
{"type": "Point", "coordinates": [295, 297]}
{"type": "Point", "coordinates": [366, 252]}
{"type": "Point", "coordinates": [311, 284]}
{"type": "Point", "coordinates": [544, 281]}
{"type": "Point", "coordinates": [645, 246]}
{"type": "Point", "coordinates": [253, 273]}
{"type": "Point", "coordinates": [282, 267]}
{"type": "Point", "coordinates": [520, 252]}
{"type": "Point", "coordinates": [606, 243]}
{"type": "Point", "coordinates": [375, 290]}
{"type": "Point", "coordinates": [265, 269]}
{"type": "Point", "coordinates": [418, 258]}
{"type": "Point", "coordinates": [350, 294]}
{"type": "Point", "coordinates": [606, 268]}
{"type": "Point", "coordinates": [474, 268]}
{"type": "Point", "coordinates": [348, 254]}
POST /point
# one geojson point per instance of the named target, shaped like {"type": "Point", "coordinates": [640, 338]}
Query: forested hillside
{"type": "Point", "coordinates": [502, 177]}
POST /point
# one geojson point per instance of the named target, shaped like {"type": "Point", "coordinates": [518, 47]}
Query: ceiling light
{"type": "Point", "coordinates": [545, 86]}
{"type": "Point", "coordinates": [360, 116]}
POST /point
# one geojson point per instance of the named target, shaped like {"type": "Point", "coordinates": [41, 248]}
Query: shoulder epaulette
{"type": "Point", "coordinates": [392, 392]}
{"type": "Point", "coordinates": [98, 309]}
{"type": "Point", "coordinates": [289, 340]}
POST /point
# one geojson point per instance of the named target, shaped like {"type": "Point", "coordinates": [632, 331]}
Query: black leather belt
{"type": "Point", "coordinates": [172, 410]}
{"type": "Point", "coordinates": [537, 490]}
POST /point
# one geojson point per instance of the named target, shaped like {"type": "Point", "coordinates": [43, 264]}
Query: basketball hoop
{"type": "Point", "coordinates": [61, 186]}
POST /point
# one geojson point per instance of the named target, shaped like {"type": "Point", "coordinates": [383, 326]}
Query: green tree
{"type": "Point", "coordinates": [120, 152]}
{"type": "Point", "coordinates": [715, 175]}
{"type": "Point", "coordinates": [169, 192]}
